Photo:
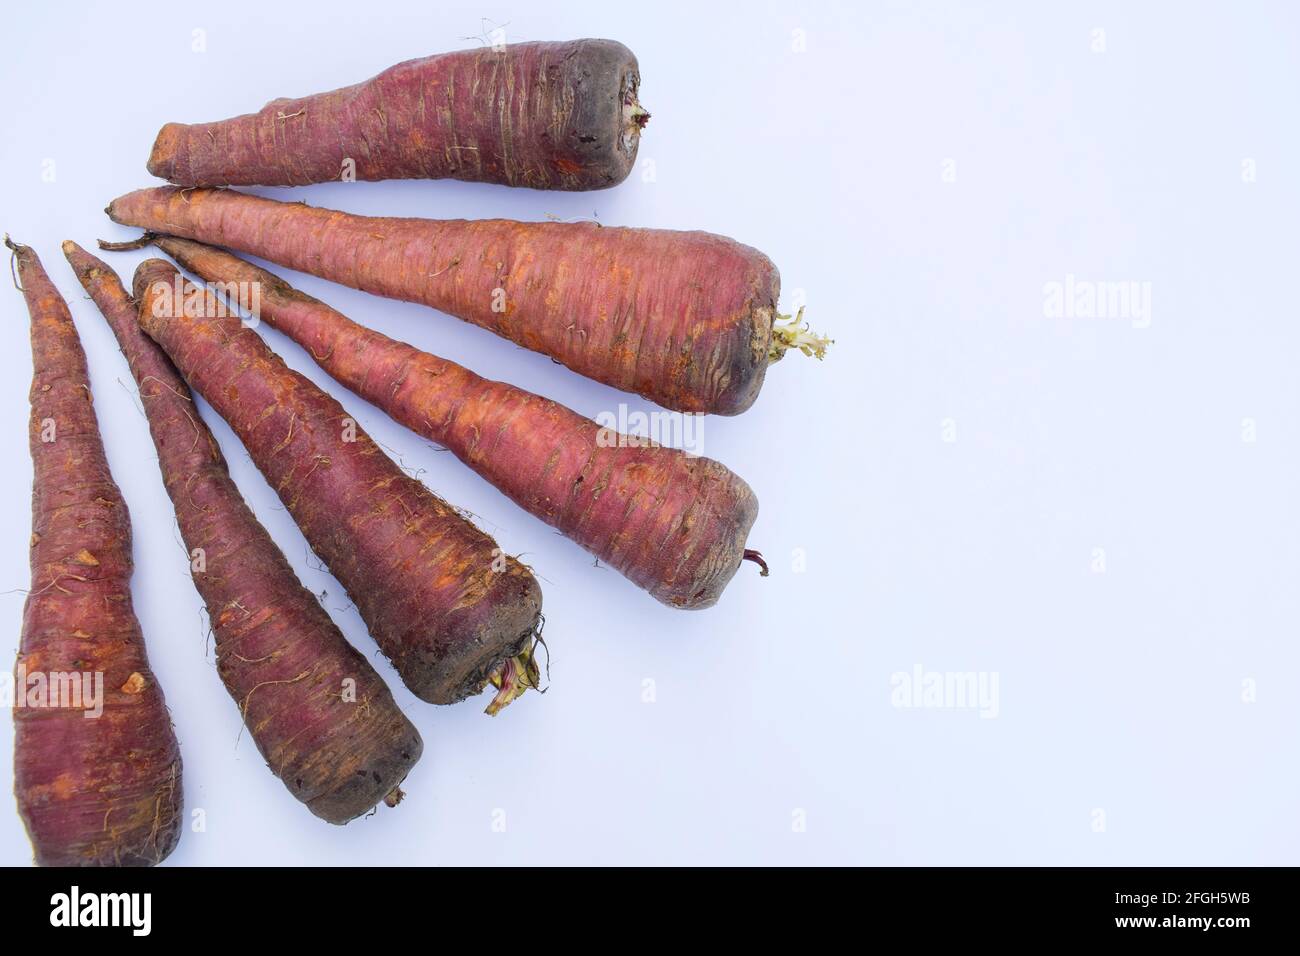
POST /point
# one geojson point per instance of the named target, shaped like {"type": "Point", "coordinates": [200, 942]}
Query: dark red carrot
{"type": "Point", "coordinates": [444, 603]}
{"type": "Point", "coordinates": [686, 319]}
{"type": "Point", "coordinates": [543, 115]}
{"type": "Point", "coordinates": [318, 713]}
{"type": "Point", "coordinates": [672, 523]}
{"type": "Point", "coordinates": [97, 770]}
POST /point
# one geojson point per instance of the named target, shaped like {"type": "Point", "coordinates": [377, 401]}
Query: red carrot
{"type": "Point", "coordinates": [97, 770]}
{"type": "Point", "coordinates": [323, 720]}
{"type": "Point", "coordinates": [686, 319]}
{"type": "Point", "coordinates": [673, 523]}
{"type": "Point", "coordinates": [449, 609]}
{"type": "Point", "coordinates": [543, 115]}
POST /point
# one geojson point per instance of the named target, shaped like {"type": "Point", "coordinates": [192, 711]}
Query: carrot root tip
{"type": "Point", "coordinates": [130, 244]}
{"type": "Point", "coordinates": [13, 261]}
{"type": "Point", "coordinates": [795, 334]}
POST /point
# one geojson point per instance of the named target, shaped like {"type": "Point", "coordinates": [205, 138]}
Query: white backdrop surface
{"type": "Point", "coordinates": [1096, 516]}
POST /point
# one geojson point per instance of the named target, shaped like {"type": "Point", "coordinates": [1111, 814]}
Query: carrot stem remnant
{"type": "Point", "coordinates": [796, 335]}
{"type": "Point", "coordinates": [514, 676]}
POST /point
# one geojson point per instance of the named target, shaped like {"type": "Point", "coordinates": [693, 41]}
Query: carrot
{"type": "Point", "coordinates": [542, 115]}
{"type": "Point", "coordinates": [686, 319]}
{"type": "Point", "coordinates": [97, 770]}
{"type": "Point", "coordinates": [672, 523]}
{"type": "Point", "coordinates": [319, 714]}
{"type": "Point", "coordinates": [449, 609]}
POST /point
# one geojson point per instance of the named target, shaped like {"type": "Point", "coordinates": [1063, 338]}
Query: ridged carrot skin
{"type": "Point", "coordinates": [441, 600]}
{"type": "Point", "coordinates": [542, 115]}
{"type": "Point", "coordinates": [319, 714]}
{"type": "Point", "coordinates": [672, 523]}
{"type": "Point", "coordinates": [682, 318]}
{"type": "Point", "coordinates": [92, 790]}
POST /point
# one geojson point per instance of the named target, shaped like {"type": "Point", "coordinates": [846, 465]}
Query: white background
{"type": "Point", "coordinates": [1122, 735]}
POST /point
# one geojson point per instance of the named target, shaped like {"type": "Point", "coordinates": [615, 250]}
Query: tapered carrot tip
{"type": "Point", "coordinates": [146, 239]}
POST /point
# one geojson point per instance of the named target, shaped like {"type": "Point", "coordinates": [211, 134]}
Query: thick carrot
{"type": "Point", "coordinates": [97, 770]}
{"type": "Point", "coordinates": [686, 319]}
{"type": "Point", "coordinates": [449, 609]}
{"type": "Point", "coordinates": [319, 714]}
{"type": "Point", "coordinates": [672, 523]}
{"type": "Point", "coordinates": [543, 115]}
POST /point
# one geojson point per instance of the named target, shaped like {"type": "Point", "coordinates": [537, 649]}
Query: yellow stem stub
{"type": "Point", "coordinates": [513, 677]}
{"type": "Point", "coordinates": [796, 335]}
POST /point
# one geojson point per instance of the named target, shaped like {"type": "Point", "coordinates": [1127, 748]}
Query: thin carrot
{"type": "Point", "coordinates": [97, 770]}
